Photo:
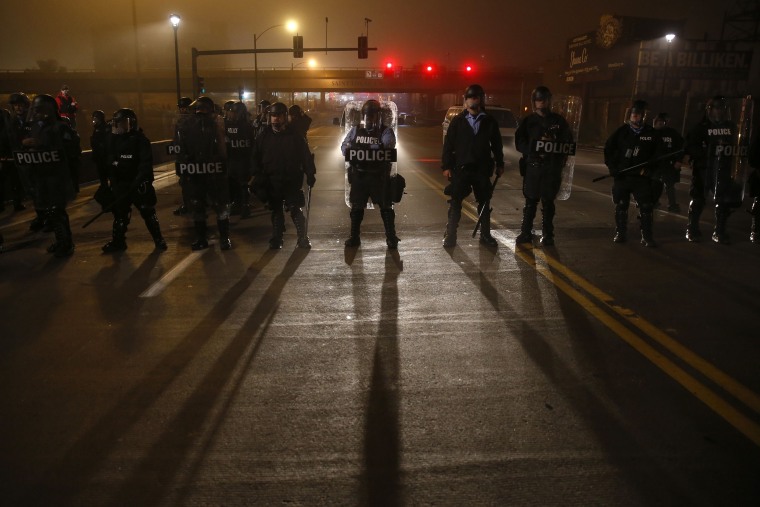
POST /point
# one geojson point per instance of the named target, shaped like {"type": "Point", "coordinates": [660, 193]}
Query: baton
{"type": "Point", "coordinates": [662, 157]}
{"type": "Point", "coordinates": [486, 204]}
{"type": "Point", "coordinates": [308, 210]}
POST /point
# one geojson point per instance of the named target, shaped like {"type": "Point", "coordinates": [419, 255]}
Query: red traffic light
{"type": "Point", "coordinates": [389, 66]}
{"type": "Point", "coordinates": [429, 68]}
{"type": "Point", "coordinates": [468, 68]}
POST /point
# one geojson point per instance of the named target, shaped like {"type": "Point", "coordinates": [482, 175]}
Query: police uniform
{"type": "Point", "coordinates": [202, 159]}
{"type": "Point", "coordinates": [627, 147]}
{"type": "Point", "coordinates": [239, 135]}
{"type": "Point", "coordinates": [541, 171]}
{"type": "Point", "coordinates": [470, 152]}
{"type": "Point", "coordinates": [668, 171]}
{"type": "Point", "coordinates": [370, 179]}
{"type": "Point", "coordinates": [280, 160]}
{"type": "Point", "coordinates": [130, 162]}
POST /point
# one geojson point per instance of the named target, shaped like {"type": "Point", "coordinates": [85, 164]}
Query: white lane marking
{"type": "Point", "coordinates": [163, 282]}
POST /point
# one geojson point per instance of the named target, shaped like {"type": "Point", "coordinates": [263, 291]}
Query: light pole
{"type": "Point", "coordinates": [291, 26]}
{"type": "Point", "coordinates": [312, 63]}
{"type": "Point", "coordinates": [174, 20]}
{"type": "Point", "coordinates": [669, 37]}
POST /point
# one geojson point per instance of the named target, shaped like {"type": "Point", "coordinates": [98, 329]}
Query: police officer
{"type": "Point", "coordinates": [262, 117]}
{"type": "Point", "coordinates": [183, 114]}
{"type": "Point", "coordinates": [633, 144]}
{"type": "Point", "coordinates": [51, 146]}
{"type": "Point", "coordinates": [101, 132]}
{"type": "Point", "coordinates": [281, 158]}
{"type": "Point", "coordinates": [668, 171]}
{"type": "Point", "coordinates": [471, 149]}
{"type": "Point", "coordinates": [754, 191]}
{"type": "Point", "coordinates": [370, 179]}
{"type": "Point", "coordinates": [202, 157]}
{"type": "Point", "coordinates": [130, 175]}
{"type": "Point", "coordinates": [713, 131]}
{"type": "Point", "coordinates": [541, 171]}
{"type": "Point", "coordinates": [11, 128]}
{"type": "Point", "coordinates": [299, 121]}
{"type": "Point", "coordinates": [18, 129]}
{"type": "Point", "coordinates": [240, 138]}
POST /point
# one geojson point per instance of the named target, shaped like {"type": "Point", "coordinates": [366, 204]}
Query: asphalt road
{"type": "Point", "coordinates": [590, 373]}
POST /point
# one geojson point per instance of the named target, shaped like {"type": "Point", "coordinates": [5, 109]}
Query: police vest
{"type": "Point", "coordinates": [367, 142]}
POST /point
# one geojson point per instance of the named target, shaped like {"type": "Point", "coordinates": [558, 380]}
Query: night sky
{"type": "Point", "coordinates": [483, 33]}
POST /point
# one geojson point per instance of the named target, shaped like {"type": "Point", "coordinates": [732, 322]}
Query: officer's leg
{"type": "Point", "coordinates": [223, 223]}
{"type": "Point", "coordinates": [526, 227]}
{"type": "Point", "coordinates": [358, 198]}
{"type": "Point", "coordinates": [481, 186]}
{"type": "Point", "coordinates": [59, 221]}
{"type": "Point", "coordinates": [389, 222]}
{"type": "Point", "coordinates": [278, 224]}
{"type": "Point", "coordinates": [644, 196]}
{"type": "Point", "coordinates": [754, 234]}
{"type": "Point", "coordinates": [622, 198]}
{"type": "Point", "coordinates": [455, 214]}
{"type": "Point", "coordinates": [198, 206]}
{"type": "Point", "coordinates": [148, 214]}
{"type": "Point", "coordinates": [299, 220]}
{"type": "Point", "coordinates": [118, 241]}
{"type": "Point", "coordinates": [357, 215]}
{"type": "Point", "coordinates": [696, 205]}
{"type": "Point", "coordinates": [720, 234]}
{"type": "Point", "coordinates": [547, 226]}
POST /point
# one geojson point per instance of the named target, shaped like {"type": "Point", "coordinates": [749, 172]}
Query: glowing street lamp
{"type": "Point", "coordinates": [290, 26]}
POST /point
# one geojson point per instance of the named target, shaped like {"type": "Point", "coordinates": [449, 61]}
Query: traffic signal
{"type": "Point", "coordinates": [298, 46]}
{"type": "Point", "coordinates": [363, 47]}
{"type": "Point", "coordinates": [468, 69]}
{"type": "Point", "coordinates": [388, 71]}
{"type": "Point", "coordinates": [201, 85]}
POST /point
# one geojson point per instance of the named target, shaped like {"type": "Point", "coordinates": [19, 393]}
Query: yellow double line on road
{"type": "Point", "coordinates": [584, 293]}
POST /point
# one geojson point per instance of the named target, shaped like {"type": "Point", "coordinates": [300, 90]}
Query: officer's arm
{"type": "Point", "coordinates": [448, 154]}
{"type": "Point", "coordinates": [346, 144]}
{"type": "Point", "coordinates": [497, 147]}
{"type": "Point", "coordinates": [389, 139]}
{"type": "Point", "coordinates": [522, 139]}
{"type": "Point", "coordinates": [145, 168]}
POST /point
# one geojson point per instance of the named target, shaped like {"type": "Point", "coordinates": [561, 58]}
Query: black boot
{"type": "Point", "coordinates": [389, 221]}
{"type": "Point", "coordinates": [224, 234]}
{"type": "Point", "coordinates": [64, 245]}
{"type": "Point", "coordinates": [278, 226]}
{"type": "Point", "coordinates": [526, 228]}
{"type": "Point", "coordinates": [455, 214]}
{"type": "Point", "coordinates": [37, 222]}
{"type": "Point", "coordinates": [647, 219]}
{"type": "Point", "coordinates": [485, 225]}
{"type": "Point", "coordinates": [357, 215]}
{"type": "Point", "coordinates": [754, 234]}
{"type": "Point", "coordinates": [300, 222]}
{"type": "Point", "coordinates": [621, 223]}
{"type": "Point", "coordinates": [151, 222]}
{"type": "Point", "coordinates": [721, 217]}
{"type": "Point", "coordinates": [693, 234]}
{"type": "Point", "coordinates": [118, 241]}
{"type": "Point", "coordinates": [547, 225]}
{"type": "Point", "coordinates": [200, 231]}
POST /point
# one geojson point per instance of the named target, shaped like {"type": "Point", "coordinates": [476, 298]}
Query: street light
{"type": "Point", "coordinates": [669, 38]}
{"type": "Point", "coordinates": [290, 26]}
{"type": "Point", "coordinates": [174, 20]}
{"type": "Point", "coordinates": [312, 64]}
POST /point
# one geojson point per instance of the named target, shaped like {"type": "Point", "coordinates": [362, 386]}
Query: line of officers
{"type": "Point", "coordinates": [642, 159]}
{"type": "Point", "coordinates": [218, 158]}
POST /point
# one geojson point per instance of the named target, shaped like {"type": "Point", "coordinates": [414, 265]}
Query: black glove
{"type": "Point", "coordinates": [311, 179]}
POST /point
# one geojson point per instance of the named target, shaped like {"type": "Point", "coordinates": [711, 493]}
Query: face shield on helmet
{"type": "Point", "coordinates": [263, 105]}
{"type": "Point", "coordinates": [278, 116]}
{"type": "Point", "coordinates": [19, 103]}
{"type": "Point", "coordinates": [44, 108]}
{"type": "Point", "coordinates": [636, 115]}
{"type": "Point", "coordinates": [660, 120]}
{"type": "Point", "coordinates": [371, 115]}
{"type": "Point", "coordinates": [227, 108]}
{"type": "Point", "coordinates": [123, 121]}
{"type": "Point", "coordinates": [718, 110]}
{"type": "Point", "coordinates": [541, 99]}
{"type": "Point", "coordinates": [98, 118]}
{"type": "Point", "coordinates": [203, 105]}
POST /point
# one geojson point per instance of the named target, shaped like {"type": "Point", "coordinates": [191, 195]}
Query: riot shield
{"type": "Point", "coordinates": [728, 152]}
{"type": "Point", "coordinates": [353, 118]}
{"type": "Point", "coordinates": [570, 107]}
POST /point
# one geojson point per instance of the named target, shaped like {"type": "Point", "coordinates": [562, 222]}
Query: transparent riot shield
{"type": "Point", "coordinates": [353, 118]}
{"type": "Point", "coordinates": [570, 107]}
{"type": "Point", "coordinates": [729, 136]}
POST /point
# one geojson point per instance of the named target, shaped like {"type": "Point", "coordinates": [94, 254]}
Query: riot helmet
{"type": "Point", "coordinates": [227, 108]}
{"type": "Point", "coordinates": [543, 94]}
{"type": "Point", "coordinates": [124, 120]}
{"type": "Point", "coordinates": [19, 103]}
{"type": "Point", "coordinates": [475, 91]}
{"type": "Point", "coordinates": [717, 109]}
{"type": "Point", "coordinates": [295, 111]}
{"type": "Point", "coordinates": [44, 108]}
{"type": "Point", "coordinates": [184, 104]}
{"type": "Point", "coordinates": [660, 120]}
{"type": "Point", "coordinates": [263, 105]}
{"type": "Point", "coordinates": [240, 109]}
{"type": "Point", "coordinates": [203, 105]}
{"type": "Point", "coordinates": [278, 116]}
{"type": "Point", "coordinates": [637, 113]}
{"type": "Point", "coordinates": [98, 117]}
{"type": "Point", "coordinates": [371, 114]}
